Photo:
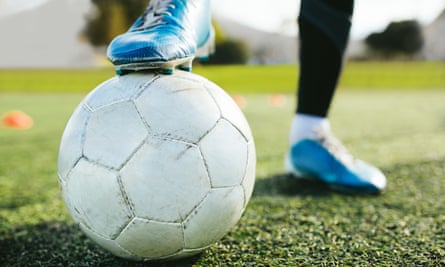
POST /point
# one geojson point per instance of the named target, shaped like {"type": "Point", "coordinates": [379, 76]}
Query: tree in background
{"type": "Point", "coordinates": [229, 51]}
{"type": "Point", "coordinates": [111, 17]}
{"type": "Point", "coordinates": [399, 38]}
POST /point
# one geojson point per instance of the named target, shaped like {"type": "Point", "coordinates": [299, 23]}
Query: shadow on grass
{"type": "Point", "coordinates": [287, 185]}
{"type": "Point", "coordinates": [62, 244]}
{"type": "Point", "coordinates": [423, 177]}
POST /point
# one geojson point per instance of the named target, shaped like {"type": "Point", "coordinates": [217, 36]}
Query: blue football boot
{"type": "Point", "coordinates": [169, 34]}
{"type": "Point", "coordinates": [325, 159]}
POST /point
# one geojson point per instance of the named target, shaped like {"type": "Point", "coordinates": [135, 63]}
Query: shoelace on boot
{"type": "Point", "coordinates": [154, 13]}
{"type": "Point", "coordinates": [334, 146]}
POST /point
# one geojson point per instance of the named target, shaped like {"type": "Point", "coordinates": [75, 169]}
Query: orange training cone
{"type": "Point", "coordinates": [17, 120]}
{"type": "Point", "coordinates": [277, 100]}
{"type": "Point", "coordinates": [240, 101]}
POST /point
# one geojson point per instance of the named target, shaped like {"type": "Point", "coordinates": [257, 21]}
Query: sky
{"type": "Point", "coordinates": [12, 7]}
{"type": "Point", "coordinates": [369, 15]}
{"type": "Point", "coordinates": [280, 15]}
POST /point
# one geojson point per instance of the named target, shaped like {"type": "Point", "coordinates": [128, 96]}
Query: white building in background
{"type": "Point", "coordinates": [434, 34]}
{"type": "Point", "coordinates": [46, 36]}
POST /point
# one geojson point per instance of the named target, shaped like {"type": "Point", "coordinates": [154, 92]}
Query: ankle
{"type": "Point", "coordinates": [305, 126]}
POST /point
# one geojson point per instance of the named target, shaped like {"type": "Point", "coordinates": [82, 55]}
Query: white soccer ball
{"type": "Point", "coordinates": [157, 166]}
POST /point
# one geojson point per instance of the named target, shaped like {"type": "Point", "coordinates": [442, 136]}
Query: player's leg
{"type": "Point", "coordinates": [169, 34]}
{"type": "Point", "coordinates": [314, 152]}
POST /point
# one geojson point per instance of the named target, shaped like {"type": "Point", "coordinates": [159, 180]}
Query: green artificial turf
{"type": "Point", "coordinates": [288, 222]}
{"type": "Point", "coordinates": [240, 78]}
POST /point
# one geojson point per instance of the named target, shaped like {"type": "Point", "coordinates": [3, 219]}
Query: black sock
{"type": "Point", "coordinates": [324, 30]}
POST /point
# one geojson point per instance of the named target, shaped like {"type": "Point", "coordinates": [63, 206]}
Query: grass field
{"type": "Point", "coordinates": [288, 222]}
{"type": "Point", "coordinates": [241, 79]}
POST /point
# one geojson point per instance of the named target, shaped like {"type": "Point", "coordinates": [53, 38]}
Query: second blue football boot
{"type": "Point", "coordinates": [325, 159]}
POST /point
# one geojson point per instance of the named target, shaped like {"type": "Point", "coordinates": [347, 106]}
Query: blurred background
{"type": "Point", "coordinates": [74, 33]}
{"type": "Point", "coordinates": [391, 114]}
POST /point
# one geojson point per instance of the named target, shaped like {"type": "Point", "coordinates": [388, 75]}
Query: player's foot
{"type": "Point", "coordinates": [169, 34]}
{"type": "Point", "coordinates": [324, 158]}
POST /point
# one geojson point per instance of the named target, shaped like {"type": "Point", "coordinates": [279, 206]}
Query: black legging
{"type": "Point", "coordinates": [324, 27]}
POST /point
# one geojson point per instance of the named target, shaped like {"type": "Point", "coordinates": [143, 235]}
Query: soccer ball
{"type": "Point", "coordinates": [157, 166]}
